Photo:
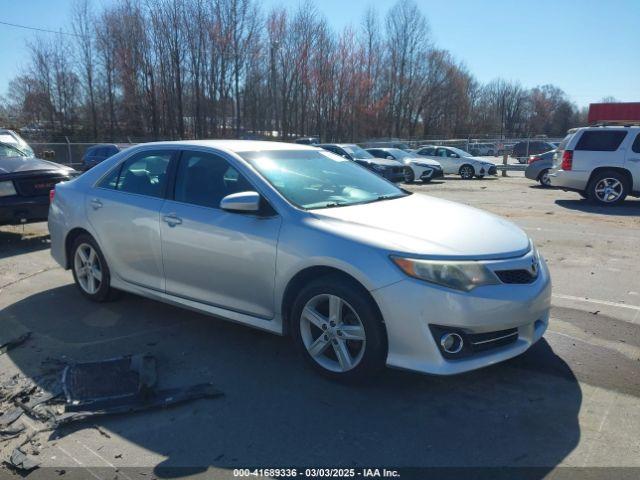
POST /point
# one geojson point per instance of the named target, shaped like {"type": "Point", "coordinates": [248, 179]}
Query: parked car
{"type": "Point", "coordinates": [25, 182]}
{"type": "Point", "coordinates": [389, 169]}
{"type": "Point", "coordinates": [455, 161]}
{"type": "Point", "coordinates": [415, 167]}
{"type": "Point", "coordinates": [482, 149]}
{"type": "Point", "coordinates": [539, 167]}
{"type": "Point", "coordinates": [12, 138]}
{"type": "Point", "coordinates": [98, 153]}
{"type": "Point", "coordinates": [600, 163]}
{"type": "Point", "coordinates": [504, 148]}
{"type": "Point", "coordinates": [523, 150]}
{"type": "Point", "coordinates": [307, 141]}
{"type": "Point", "coordinates": [332, 254]}
{"type": "Point", "coordinates": [390, 144]}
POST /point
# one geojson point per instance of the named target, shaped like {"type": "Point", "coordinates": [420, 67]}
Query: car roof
{"type": "Point", "coordinates": [235, 146]}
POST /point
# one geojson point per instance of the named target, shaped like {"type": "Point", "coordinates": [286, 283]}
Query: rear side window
{"type": "Point", "coordinates": [565, 141]}
{"type": "Point", "coordinates": [636, 144]}
{"type": "Point", "coordinates": [601, 140]}
{"type": "Point", "coordinates": [143, 174]}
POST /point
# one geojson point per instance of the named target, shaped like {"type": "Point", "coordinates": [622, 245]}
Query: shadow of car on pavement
{"type": "Point", "coordinates": [276, 411]}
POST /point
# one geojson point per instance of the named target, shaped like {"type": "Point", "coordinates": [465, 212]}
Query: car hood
{"type": "Point", "coordinates": [478, 160]}
{"type": "Point", "coordinates": [28, 164]}
{"type": "Point", "coordinates": [426, 161]}
{"type": "Point", "coordinates": [426, 226]}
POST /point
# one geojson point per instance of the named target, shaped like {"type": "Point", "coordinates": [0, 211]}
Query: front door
{"type": "Point", "coordinates": [633, 162]}
{"type": "Point", "coordinates": [213, 256]}
{"type": "Point", "coordinates": [124, 210]}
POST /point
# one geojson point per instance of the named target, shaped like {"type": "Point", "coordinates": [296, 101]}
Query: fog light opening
{"type": "Point", "coordinates": [451, 343]}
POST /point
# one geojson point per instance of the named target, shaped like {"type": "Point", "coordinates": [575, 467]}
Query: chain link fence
{"type": "Point", "coordinates": [517, 148]}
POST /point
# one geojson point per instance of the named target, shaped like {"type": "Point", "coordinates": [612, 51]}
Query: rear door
{"type": "Point", "coordinates": [124, 210]}
{"type": "Point", "coordinates": [221, 258]}
{"type": "Point", "coordinates": [633, 161]}
{"type": "Point", "coordinates": [599, 148]}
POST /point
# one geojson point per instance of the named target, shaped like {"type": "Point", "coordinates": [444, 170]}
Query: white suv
{"type": "Point", "coordinates": [600, 163]}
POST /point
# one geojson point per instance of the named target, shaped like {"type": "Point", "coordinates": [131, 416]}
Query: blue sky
{"type": "Point", "coordinates": [589, 48]}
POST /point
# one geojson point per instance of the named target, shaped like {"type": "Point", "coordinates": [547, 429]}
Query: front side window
{"type": "Point", "coordinates": [142, 174]}
{"type": "Point", "coordinates": [314, 179]}
{"type": "Point", "coordinates": [204, 179]}
{"type": "Point", "coordinates": [601, 140]}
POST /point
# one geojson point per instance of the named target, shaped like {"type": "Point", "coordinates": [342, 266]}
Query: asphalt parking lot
{"type": "Point", "coordinates": [571, 400]}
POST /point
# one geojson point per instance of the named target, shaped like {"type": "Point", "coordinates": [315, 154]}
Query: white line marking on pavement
{"type": "Point", "coordinates": [78, 462]}
{"type": "Point", "coordinates": [600, 302]}
{"type": "Point", "coordinates": [102, 458]}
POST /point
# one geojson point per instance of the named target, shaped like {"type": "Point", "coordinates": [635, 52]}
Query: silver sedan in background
{"type": "Point", "coordinates": [297, 240]}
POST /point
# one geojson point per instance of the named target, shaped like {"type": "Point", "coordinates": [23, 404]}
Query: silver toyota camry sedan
{"type": "Point", "coordinates": [296, 240]}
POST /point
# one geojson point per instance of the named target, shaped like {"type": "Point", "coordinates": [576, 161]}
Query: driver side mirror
{"type": "Point", "coordinates": [241, 202]}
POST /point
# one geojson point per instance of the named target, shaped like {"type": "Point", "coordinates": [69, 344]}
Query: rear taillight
{"type": "Point", "coordinates": [532, 159]}
{"type": "Point", "coordinates": [52, 194]}
{"type": "Point", "coordinates": [567, 160]}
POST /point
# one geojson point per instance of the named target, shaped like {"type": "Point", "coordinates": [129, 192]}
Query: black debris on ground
{"type": "Point", "coordinates": [77, 391]}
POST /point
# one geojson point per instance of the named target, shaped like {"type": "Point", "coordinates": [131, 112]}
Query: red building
{"type": "Point", "coordinates": [602, 112]}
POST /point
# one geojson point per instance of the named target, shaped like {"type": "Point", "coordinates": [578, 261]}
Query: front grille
{"type": "Point", "coordinates": [32, 187]}
{"type": "Point", "coordinates": [520, 277]}
{"type": "Point", "coordinates": [481, 342]}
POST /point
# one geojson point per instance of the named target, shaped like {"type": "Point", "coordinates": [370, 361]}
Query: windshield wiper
{"type": "Point", "coordinates": [389, 197]}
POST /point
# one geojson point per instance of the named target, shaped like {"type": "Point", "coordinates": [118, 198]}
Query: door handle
{"type": "Point", "coordinates": [634, 159]}
{"type": "Point", "coordinates": [172, 219]}
{"type": "Point", "coordinates": [96, 204]}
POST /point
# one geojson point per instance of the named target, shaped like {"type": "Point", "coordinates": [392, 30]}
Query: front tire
{"type": "Point", "coordinates": [338, 329]}
{"type": "Point", "coordinates": [466, 172]}
{"type": "Point", "coordinates": [409, 176]}
{"type": "Point", "coordinates": [607, 188]}
{"type": "Point", "coordinates": [90, 270]}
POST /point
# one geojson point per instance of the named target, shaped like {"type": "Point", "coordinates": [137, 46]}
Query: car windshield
{"type": "Point", "coordinates": [313, 179]}
{"type": "Point", "coordinates": [398, 154]}
{"type": "Point", "coordinates": [356, 152]}
{"type": "Point", "coordinates": [7, 150]}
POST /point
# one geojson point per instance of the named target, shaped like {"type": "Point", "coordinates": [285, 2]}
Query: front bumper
{"type": "Point", "coordinates": [17, 210]}
{"type": "Point", "coordinates": [410, 306]}
{"type": "Point", "coordinates": [431, 173]}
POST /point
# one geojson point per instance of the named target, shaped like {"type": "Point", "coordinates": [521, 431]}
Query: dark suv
{"type": "Point", "coordinates": [98, 153]}
{"type": "Point", "coordinates": [523, 150]}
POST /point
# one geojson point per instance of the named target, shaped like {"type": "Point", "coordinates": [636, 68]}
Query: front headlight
{"type": "Point", "coordinates": [463, 275]}
{"type": "Point", "coordinates": [7, 189]}
{"type": "Point", "coordinates": [424, 165]}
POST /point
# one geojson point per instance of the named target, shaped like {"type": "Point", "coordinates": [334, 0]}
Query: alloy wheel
{"type": "Point", "coordinates": [332, 333]}
{"type": "Point", "coordinates": [609, 190]}
{"type": "Point", "coordinates": [544, 178]}
{"type": "Point", "coordinates": [466, 172]}
{"type": "Point", "coordinates": [408, 175]}
{"type": "Point", "coordinates": [88, 268]}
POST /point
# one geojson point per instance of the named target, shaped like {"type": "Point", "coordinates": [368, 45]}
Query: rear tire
{"type": "Point", "coordinates": [324, 314]}
{"type": "Point", "coordinates": [90, 270]}
{"type": "Point", "coordinates": [544, 179]}
{"type": "Point", "coordinates": [607, 188]}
